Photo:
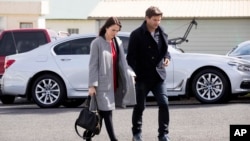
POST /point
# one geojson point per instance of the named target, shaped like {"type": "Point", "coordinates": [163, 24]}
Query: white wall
{"type": "Point", "coordinates": [215, 36]}
{"type": "Point", "coordinates": [84, 26]}
{"type": "Point", "coordinates": [14, 12]}
{"type": "Point", "coordinates": [2, 23]}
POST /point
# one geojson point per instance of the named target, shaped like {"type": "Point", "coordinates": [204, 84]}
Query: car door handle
{"type": "Point", "coordinates": [66, 59]}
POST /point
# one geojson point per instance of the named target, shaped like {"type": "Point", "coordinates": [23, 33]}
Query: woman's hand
{"type": "Point", "coordinates": [92, 90]}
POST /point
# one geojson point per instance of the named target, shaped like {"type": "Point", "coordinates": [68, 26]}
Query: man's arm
{"type": "Point", "coordinates": [132, 51]}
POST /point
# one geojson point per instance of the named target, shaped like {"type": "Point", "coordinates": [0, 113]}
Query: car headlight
{"type": "Point", "coordinates": [240, 65]}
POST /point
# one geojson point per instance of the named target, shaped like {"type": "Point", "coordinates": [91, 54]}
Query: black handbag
{"type": "Point", "coordinates": [89, 120]}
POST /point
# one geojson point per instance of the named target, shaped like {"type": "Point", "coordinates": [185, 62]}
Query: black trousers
{"type": "Point", "coordinates": [107, 117]}
{"type": "Point", "coordinates": [108, 120]}
{"type": "Point", "coordinates": [159, 90]}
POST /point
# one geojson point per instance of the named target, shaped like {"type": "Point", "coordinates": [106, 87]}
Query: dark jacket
{"type": "Point", "coordinates": [144, 56]}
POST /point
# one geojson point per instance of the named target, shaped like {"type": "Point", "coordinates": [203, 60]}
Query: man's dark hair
{"type": "Point", "coordinates": [153, 11]}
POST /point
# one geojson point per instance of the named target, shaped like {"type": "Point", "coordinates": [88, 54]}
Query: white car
{"type": "Point", "coordinates": [242, 51]}
{"type": "Point", "coordinates": [57, 74]}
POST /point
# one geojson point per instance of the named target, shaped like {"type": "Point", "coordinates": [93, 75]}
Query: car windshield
{"type": "Point", "coordinates": [243, 49]}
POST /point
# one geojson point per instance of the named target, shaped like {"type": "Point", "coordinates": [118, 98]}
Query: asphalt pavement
{"type": "Point", "coordinates": [189, 121]}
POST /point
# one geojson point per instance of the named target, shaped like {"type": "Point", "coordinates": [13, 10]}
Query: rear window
{"type": "Point", "coordinates": [19, 42]}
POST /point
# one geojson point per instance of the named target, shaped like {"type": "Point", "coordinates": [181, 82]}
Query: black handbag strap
{"type": "Point", "coordinates": [87, 105]}
{"type": "Point", "coordinates": [77, 130]}
{"type": "Point", "coordinates": [84, 136]}
{"type": "Point", "coordinates": [95, 102]}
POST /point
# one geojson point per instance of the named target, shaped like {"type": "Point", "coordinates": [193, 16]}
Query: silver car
{"type": "Point", "coordinates": [57, 74]}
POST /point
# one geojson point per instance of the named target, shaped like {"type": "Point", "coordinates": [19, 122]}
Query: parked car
{"type": "Point", "coordinates": [242, 51]}
{"type": "Point", "coordinates": [57, 74]}
{"type": "Point", "coordinates": [16, 41]}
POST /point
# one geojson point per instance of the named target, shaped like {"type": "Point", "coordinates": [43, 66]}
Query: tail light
{"type": "Point", "coordinates": [8, 63]}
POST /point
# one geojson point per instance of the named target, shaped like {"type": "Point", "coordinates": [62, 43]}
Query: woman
{"type": "Point", "coordinates": [110, 78]}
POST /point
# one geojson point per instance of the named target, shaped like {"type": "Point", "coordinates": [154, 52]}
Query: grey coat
{"type": "Point", "coordinates": [101, 76]}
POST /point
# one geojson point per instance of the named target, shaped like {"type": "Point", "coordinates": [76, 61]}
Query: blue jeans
{"type": "Point", "coordinates": [159, 90]}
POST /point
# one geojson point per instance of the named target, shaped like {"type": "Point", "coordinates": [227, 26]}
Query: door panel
{"type": "Point", "coordinates": [73, 59]}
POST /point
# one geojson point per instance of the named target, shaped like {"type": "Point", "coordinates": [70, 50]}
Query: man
{"type": "Point", "coordinates": [148, 56]}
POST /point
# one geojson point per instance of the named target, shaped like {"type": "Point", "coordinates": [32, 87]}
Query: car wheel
{"type": "Point", "coordinates": [210, 86]}
{"type": "Point", "coordinates": [7, 99]}
{"type": "Point", "coordinates": [72, 103]}
{"type": "Point", "coordinates": [48, 91]}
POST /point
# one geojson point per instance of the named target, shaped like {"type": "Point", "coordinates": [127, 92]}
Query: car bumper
{"type": "Point", "coordinates": [12, 84]}
{"type": "Point", "coordinates": [245, 84]}
{"type": "Point", "coordinates": [240, 83]}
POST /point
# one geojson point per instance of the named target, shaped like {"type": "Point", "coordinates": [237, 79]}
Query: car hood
{"type": "Point", "coordinates": [201, 55]}
{"type": "Point", "coordinates": [213, 58]}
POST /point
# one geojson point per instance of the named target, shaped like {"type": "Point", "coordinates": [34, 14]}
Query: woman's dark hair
{"type": "Point", "coordinates": [153, 11]}
{"type": "Point", "coordinates": [109, 22]}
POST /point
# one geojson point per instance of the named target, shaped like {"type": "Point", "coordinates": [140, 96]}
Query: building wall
{"type": "Point", "coordinates": [84, 26]}
{"type": "Point", "coordinates": [13, 21]}
{"type": "Point", "coordinates": [215, 36]}
{"type": "Point", "coordinates": [12, 13]}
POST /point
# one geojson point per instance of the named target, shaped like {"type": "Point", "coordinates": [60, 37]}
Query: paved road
{"type": "Point", "coordinates": [190, 121]}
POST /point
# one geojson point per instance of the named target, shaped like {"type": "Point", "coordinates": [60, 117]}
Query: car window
{"type": "Point", "coordinates": [242, 50]}
{"type": "Point", "coordinates": [21, 41]}
{"type": "Point", "coordinates": [125, 41]}
{"type": "Point", "coordinates": [26, 41]}
{"type": "Point", "coordinates": [74, 47]}
{"type": "Point", "coordinates": [7, 46]}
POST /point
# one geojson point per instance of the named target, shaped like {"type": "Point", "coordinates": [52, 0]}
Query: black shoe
{"type": "Point", "coordinates": [137, 137]}
{"type": "Point", "coordinates": [164, 138]}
